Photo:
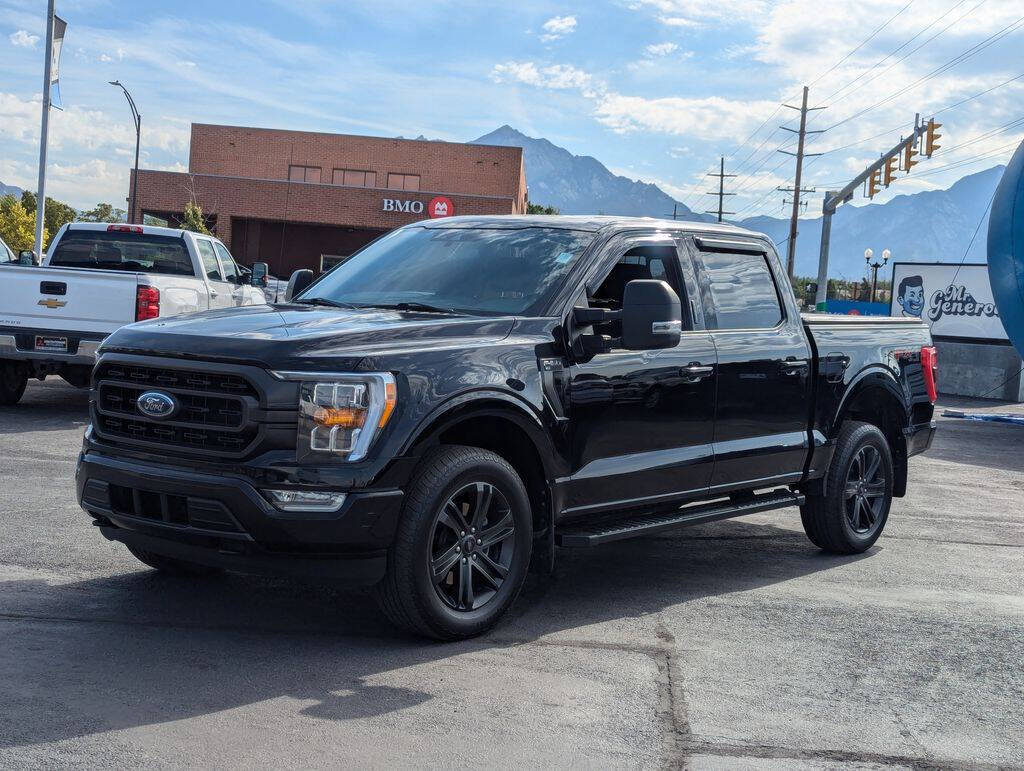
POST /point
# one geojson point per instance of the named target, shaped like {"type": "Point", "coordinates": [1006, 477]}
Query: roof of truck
{"type": "Point", "coordinates": [589, 222]}
{"type": "Point", "coordinates": [152, 230]}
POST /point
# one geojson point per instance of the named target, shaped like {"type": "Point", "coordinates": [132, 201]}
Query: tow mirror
{"type": "Point", "coordinates": [259, 274]}
{"type": "Point", "coordinates": [298, 283]}
{"type": "Point", "coordinates": [652, 316]}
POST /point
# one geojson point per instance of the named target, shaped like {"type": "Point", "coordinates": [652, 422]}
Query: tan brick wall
{"type": "Point", "coordinates": [444, 167]}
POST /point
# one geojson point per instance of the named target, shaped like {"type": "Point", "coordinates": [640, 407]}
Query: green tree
{"type": "Point", "coordinates": [57, 214]}
{"type": "Point", "coordinates": [193, 219]}
{"type": "Point", "coordinates": [536, 208]}
{"type": "Point", "coordinates": [17, 226]}
{"type": "Point", "coordinates": [102, 212]}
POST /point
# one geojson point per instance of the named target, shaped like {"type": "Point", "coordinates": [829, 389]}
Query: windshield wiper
{"type": "Point", "coordinates": [413, 306]}
{"type": "Point", "coordinates": [324, 301]}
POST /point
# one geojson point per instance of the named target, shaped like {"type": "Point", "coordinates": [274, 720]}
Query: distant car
{"type": "Point", "coordinates": [97, 277]}
{"type": "Point", "coordinates": [273, 288]}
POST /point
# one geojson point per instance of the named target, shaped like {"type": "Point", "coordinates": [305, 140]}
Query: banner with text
{"type": "Point", "coordinates": [954, 300]}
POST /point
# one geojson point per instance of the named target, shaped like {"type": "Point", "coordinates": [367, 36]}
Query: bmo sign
{"type": "Point", "coordinates": [438, 206]}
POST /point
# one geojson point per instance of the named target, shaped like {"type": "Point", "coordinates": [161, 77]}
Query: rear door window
{"type": "Point", "coordinates": [209, 258]}
{"type": "Point", "coordinates": [742, 291]}
{"type": "Point", "coordinates": [118, 250]}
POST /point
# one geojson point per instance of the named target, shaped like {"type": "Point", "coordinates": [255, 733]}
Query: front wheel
{"type": "Point", "coordinates": [13, 379]}
{"type": "Point", "coordinates": [462, 548]}
{"type": "Point", "coordinates": [848, 517]}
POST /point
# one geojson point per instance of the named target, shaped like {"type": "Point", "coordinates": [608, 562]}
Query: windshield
{"type": "Point", "coordinates": [480, 270]}
{"type": "Point", "coordinates": [119, 250]}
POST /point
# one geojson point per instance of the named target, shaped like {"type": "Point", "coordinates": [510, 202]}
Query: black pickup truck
{"type": "Point", "coordinates": [466, 395]}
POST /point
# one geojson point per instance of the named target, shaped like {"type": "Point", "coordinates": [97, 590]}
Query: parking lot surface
{"type": "Point", "coordinates": [736, 644]}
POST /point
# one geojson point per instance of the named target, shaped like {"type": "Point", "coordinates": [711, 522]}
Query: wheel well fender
{"type": "Point", "coordinates": [876, 397]}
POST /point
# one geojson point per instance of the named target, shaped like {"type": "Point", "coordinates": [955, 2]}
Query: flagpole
{"type": "Point", "coordinates": [43, 133]}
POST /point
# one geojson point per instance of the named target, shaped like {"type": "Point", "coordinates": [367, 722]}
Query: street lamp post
{"type": "Point", "coordinates": [868, 254]}
{"type": "Point", "coordinates": [138, 133]}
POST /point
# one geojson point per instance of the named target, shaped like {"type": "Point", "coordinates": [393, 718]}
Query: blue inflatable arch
{"type": "Point", "coordinates": [1006, 249]}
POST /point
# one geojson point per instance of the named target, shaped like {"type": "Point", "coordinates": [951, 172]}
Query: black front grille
{"type": "Point", "coordinates": [213, 416]}
{"type": "Point", "coordinates": [171, 509]}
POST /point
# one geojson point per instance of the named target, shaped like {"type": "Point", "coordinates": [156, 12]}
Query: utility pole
{"type": "Point", "coordinates": [44, 131]}
{"type": "Point", "coordinates": [800, 155]}
{"type": "Point", "coordinates": [721, 190]}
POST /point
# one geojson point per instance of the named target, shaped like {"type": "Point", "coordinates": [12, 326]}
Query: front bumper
{"type": "Point", "coordinates": [225, 522]}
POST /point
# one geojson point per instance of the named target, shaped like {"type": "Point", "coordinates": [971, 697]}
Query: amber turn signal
{"type": "Point", "coordinates": [345, 417]}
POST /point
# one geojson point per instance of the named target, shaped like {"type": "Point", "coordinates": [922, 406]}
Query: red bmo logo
{"type": "Point", "coordinates": [440, 206]}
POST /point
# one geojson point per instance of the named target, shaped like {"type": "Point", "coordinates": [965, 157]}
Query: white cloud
{"type": "Point", "coordinates": [555, 76]}
{"type": "Point", "coordinates": [23, 39]}
{"type": "Point", "coordinates": [106, 58]}
{"type": "Point", "coordinates": [661, 49]}
{"type": "Point", "coordinates": [693, 13]}
{"type": "Point", "coordinates": [557, 27]}
{"type": "Point", "coordinates": [709, 117]}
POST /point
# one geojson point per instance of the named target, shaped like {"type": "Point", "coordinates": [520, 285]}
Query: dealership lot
{"type": "Point", "coordinates": [733, 644]}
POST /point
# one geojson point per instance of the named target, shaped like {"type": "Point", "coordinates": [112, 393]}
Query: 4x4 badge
{"type": "Point", "coordinates": [50, 303]}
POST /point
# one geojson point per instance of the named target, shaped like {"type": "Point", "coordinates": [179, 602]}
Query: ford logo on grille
{"type": "Point", "coordinates": [156, 404]}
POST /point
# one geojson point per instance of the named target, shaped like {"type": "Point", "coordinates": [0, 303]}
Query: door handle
{"type": "Point", "coordinates": [695, 371]}
{"type": "Point", "coordinates": [793, 367]}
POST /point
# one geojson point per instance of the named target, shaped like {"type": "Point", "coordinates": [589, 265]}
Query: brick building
{"type": "Point", "coordinates": [301, 199]}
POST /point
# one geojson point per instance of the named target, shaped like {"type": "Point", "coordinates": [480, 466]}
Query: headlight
{"type": "Point", "coordinates": [342, 414]}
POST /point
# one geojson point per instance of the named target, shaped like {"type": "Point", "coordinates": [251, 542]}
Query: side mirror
{"type": "Point", "coordinates": [259, 274]}
{"type": "Point", "coordinates": [26, 257]}
{"type": "Point", "coordinates": [652, 316]}
{"type": "Point", "coordinates": [297, 284]}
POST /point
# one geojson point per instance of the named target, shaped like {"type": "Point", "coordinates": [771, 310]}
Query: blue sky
{"type": "Point", "coordinates": [655, 89]}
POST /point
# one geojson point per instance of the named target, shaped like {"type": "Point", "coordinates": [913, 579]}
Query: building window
{"type": "Point", "coordinates": [353, 178]}
{"type": "Point", "coordinates": [404, 181]}
{"type": "Point", "coordinates": [304, 174]}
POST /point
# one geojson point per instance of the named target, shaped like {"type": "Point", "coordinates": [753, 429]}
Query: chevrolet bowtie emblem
{"type": "Point", "coordinates": [50, 303]}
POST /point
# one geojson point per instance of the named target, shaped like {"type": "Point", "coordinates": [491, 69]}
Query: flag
{"type": "Point", "coordinates": [59, 25]}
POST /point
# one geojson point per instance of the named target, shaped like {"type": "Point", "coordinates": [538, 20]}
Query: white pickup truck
{"type": "Point", "coordinates": [98, 277]}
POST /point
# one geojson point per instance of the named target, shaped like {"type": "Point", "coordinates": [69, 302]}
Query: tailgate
{"type": "Point", "coordinates": [72, 299]}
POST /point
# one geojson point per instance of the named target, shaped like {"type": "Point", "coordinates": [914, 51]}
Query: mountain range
{"type": "Point", "coordinates": [930, 226]}
{"type": "Point", "coordinates": [9, 190]}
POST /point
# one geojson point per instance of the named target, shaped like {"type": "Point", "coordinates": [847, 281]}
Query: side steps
{"type": "Point", "coordinates": [594, 533]}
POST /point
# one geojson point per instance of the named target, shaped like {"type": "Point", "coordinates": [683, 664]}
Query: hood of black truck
{"type": "Point", "coordinates": [294, 337]}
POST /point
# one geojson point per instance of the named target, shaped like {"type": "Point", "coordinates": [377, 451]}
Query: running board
{"type": "Point", "coordinates": [594, 534]}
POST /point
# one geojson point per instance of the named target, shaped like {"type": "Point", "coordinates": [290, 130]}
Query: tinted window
{"type": "Point", "coordinates": [227, 262]}
{"type": "Point", "coordinates": [209, 259]}
{"type": "Point", "coordinates": [639, 263]}
{"type": "Point", "coordinates": [476, 270]}
{"type": "Point", "coordinates": [742, 291]}
{"type": "Point", "coordinates": [118, 250]}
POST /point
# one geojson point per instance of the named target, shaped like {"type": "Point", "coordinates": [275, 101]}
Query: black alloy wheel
{"type": "Point", "coordinates": [472, 546]}
{"type": "Point", "coordinates": [866, 485]}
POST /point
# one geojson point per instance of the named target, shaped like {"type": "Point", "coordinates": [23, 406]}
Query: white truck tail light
{"type": "Point", "coordinates": [147, 302]}
{"type": "Point", "coordinates": [124, 229]}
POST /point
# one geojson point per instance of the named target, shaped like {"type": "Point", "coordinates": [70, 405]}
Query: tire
{"type": "Point", "coordinates": [13, 379]}
{"type": "Point", "coordinates": [851, 513]}
{"type": "Point", "coordinates": [441, 582]}
{"type": "Point", "coordinates": [170, 565]}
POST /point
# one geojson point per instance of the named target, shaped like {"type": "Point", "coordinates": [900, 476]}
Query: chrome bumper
{"type": "Point", "coordinates": [86, 352]}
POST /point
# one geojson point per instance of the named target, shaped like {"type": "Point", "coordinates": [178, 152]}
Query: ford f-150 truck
{"type": "Point", "coordinates": [466, 395]}
{"type": "Point", "coordinates": [98, 277]}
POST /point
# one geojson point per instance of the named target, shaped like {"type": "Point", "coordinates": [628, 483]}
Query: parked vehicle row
{"type": "Point", "coordinates": [96, 278]}
{"type": "Point", "coordinates": [464, 395]}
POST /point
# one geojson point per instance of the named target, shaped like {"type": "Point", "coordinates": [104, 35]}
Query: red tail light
{"type": "Point", "coordinates": [930, 368]}
{"type": "Point", "coordinates": [124, 229]}
{"type": "Point", "coordinates": [147, 302]}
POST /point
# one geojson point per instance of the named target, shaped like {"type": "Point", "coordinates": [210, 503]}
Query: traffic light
{"type": "Point", "coordinates": [890, 168]}
{"type": "Point", "coordinates": [874, 183]}
{"type": "Point", "coordinates": [930, 136]}
{"type": "Point", "coordinates": [908, 157]}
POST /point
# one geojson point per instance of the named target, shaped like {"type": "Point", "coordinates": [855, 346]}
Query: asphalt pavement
{"type": "Point", "coordinates": [732, 645]}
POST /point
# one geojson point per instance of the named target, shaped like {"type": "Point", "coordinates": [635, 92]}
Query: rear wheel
{"type": "Point", "coordinates": [462, 549]}
{"type": "Point", "coordinates": [13, 379]}
{"type": "Point", "coordinates": [849, 516]}
{"type": "Point", "coordinates": [170, 565]}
